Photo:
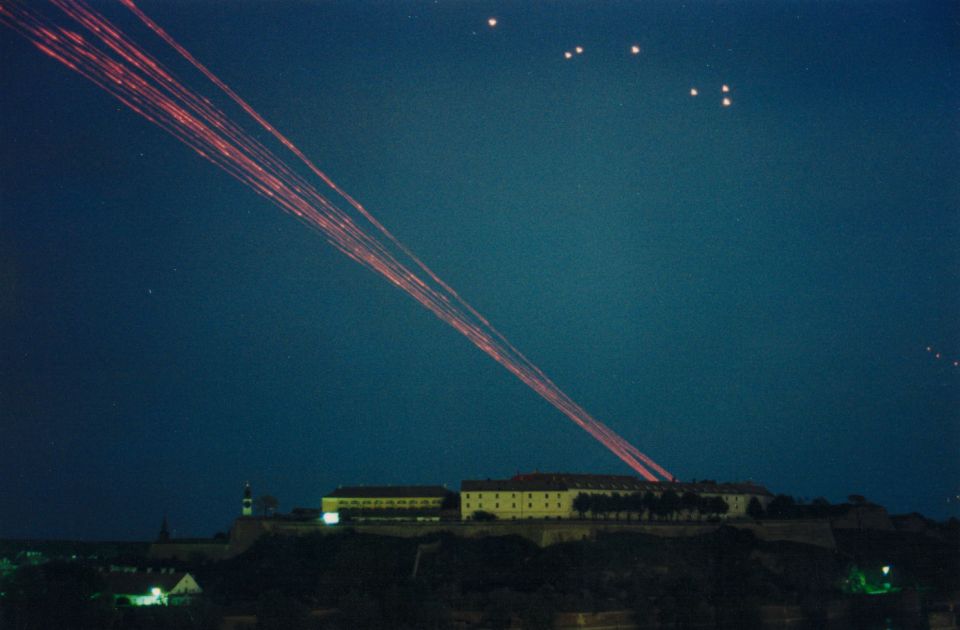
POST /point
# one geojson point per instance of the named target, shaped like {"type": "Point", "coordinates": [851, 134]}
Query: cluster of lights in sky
{"type": "Point", "coordinates": [725, 100]}
{"type": "Point", "coordinates": [724, 89]}
{"type": "Point", "coordinates": [939, 356]}
{"type": "Point", "coordinates": [119, 65]}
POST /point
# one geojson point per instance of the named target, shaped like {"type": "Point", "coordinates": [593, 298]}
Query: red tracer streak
{"type": "Point", "coordinates": [121, 67]}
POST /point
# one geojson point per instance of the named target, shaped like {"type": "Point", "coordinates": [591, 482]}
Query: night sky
{"type": "Point", "coordinates": [743, 292]}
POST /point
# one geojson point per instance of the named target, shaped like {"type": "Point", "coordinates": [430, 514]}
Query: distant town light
{"type": "Point", "coordinates": [155, 591]}
{"type": "Point", "coordinates": [886, 569]}
{"type": "Point", "coordinates": [331, 518]}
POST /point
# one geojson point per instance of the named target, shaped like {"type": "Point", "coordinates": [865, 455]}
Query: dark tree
{"type": "Point", "coordinates": [722, 506]}
{"type": "Point", "coordinates": [690, 502]}
{"type": "Point", "coordinates": [600, 505]}
{"type": "Point", "coordinates": [669, 503]}
{"type": "Point", "coordinates": [650, 504]}
{"type": "Point", "coordinates": [582, 503]}
{"type": "Point", "coordinates": [616, 504]}
{"type": "Point", "coordinates": [451, 501]}
{"type": "Point", "coordinates": [755, 509]}
{"type": "Point", "coordinates": [635, 504]}
{"type": "Point", "coordinates": [714, 506]}
{"type": "Point", "coordinates": [483, 515]}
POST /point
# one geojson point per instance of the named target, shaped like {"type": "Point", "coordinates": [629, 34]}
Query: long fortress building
{"type": "Point", "coordinates": [545, 508]}
{"type": "Point", "coordinates": [553, 495]}
{"type": "Point", "coordinates": [546, 496]}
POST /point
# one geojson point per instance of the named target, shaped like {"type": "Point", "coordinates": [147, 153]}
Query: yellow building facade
{"type": "Point", "coordinates": [366, 499]}
{"type": "Point", "coordinates": [552, 495]}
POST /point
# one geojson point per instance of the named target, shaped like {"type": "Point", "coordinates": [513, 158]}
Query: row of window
{"type": "Point", "coordinates": [496, 506]}
{"type": "Point", "coordinates": [513, 495]}
{"type": "Point", "coordinates": [384, 501]}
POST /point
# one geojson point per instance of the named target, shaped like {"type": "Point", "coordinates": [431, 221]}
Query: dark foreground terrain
{"type": "Point", "coordinates": [727, 579]}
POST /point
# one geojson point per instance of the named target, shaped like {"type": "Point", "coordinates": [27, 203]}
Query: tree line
{"type": "Point", "coordinates": [666, 506]}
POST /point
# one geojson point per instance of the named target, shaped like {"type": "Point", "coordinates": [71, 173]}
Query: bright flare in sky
{"type": "Point", "coordinates": [726, 102]}
{"type": "Point", "coordinates": [693, 92]}
{"type": "Point", "coordinates": [579, 50]}
{"type": "Point", "coordinates": [635, 49]}
{"type": "Point", "coordinates": [492, 22]}
{"type": "Point", "coordinates": [567, 54]}
{"type": "Point", "coordinates": [725, 88]}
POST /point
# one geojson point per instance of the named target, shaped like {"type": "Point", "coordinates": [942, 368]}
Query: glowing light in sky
{"type": "Point", "coordinates": [579, 50]}
{"type": "Point", "coordinates": [567, 54]}
{"type": "Point", "coordinates": [635, 49]}
{"type": "Point", "coordinates": [937, 355]}
{"type": "Point", "coordinates": [725, 88]}
{"type": "Point", "coordinates": [122, 68]}
{"type": "Point", "coordinates": [492, 22]}
{"type": "Point", "coordinates": [726, 101]}
{"type": "Point", "coordinates": [694, 91]}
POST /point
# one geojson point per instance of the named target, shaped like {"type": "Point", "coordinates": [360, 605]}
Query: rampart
{"type": "Point", "coordinates": [542, 533]}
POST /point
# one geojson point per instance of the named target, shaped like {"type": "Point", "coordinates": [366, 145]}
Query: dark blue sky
{"type": "Point", "coordinates": [742, 292]}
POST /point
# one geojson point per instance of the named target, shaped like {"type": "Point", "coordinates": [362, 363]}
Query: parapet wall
{"type": "Point", "coordinates": [542, 533]}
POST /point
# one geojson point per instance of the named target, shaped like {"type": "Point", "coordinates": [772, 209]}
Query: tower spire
{"type": "Point", "coordinates": [247, 500]}
{"type": "Point", "coordinates": [164, 535]}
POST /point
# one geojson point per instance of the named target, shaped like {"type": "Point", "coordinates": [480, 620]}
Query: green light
{"type": "Point", "coordinates": [155, 591]}
{"type": "Point", "coordinates": [857, 582]}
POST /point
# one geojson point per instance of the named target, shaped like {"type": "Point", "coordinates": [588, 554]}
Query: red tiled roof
{"type": "Point", "coordinates": [616, 483]}
{"type": "Point", "coordinates": [402, 492]}
{"type": "Point", "coordinates": [507, 485]}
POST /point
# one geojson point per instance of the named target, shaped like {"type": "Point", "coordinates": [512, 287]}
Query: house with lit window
{"type": "Point", "coordinates": [384, 503]}
{"type": "Point", "coordinates": [552, 495]}
{"type": "Point", "coordinates": [151, 588]}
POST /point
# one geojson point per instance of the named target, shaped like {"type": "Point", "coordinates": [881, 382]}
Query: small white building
{"type": "Point", "coordinates": [151, 588]}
